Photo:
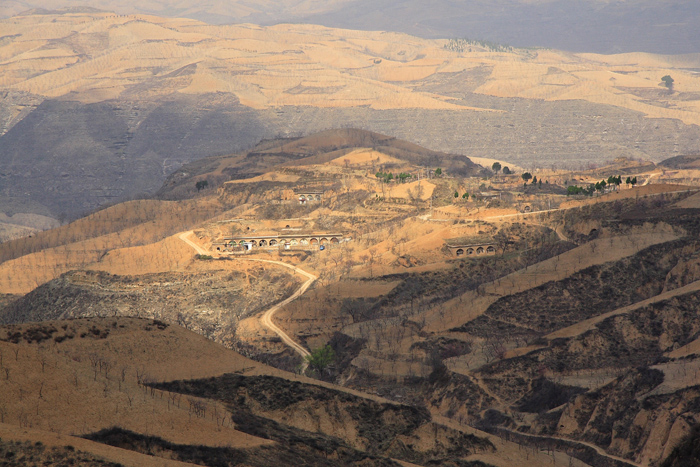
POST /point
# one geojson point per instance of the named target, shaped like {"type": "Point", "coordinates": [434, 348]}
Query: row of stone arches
{"type": "Point", "coordinates": [263, 243]}
{"type": "Point", "coordinates": [489, 250]}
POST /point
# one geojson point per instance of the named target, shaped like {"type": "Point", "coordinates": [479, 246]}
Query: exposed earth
{"type": "Point", "coordinates": [305, 307]}
{"type": "Point", "coordinates": [98, 107]}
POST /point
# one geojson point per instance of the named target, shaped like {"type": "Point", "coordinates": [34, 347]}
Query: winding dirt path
{"type": "Point", "coordinates": [184, 236]}
{"type": "Point", "coordinates": [266, 317]}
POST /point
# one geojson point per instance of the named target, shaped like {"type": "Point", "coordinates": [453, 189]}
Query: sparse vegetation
{"type": "Point", "coordinates": [512, 338]}
{"type": "Point", "coordinates": [320, 359]}
{"type": "Point", "coordinates": [687, 453]}
{"type": "Point", "coordinates": [379, 426]}
{"type": "Point", "coordinates": [668, 81]}
{"type": "Point", "coordinates": [466, 45]}
{"type": "Point", "coordinates": [23, 453]}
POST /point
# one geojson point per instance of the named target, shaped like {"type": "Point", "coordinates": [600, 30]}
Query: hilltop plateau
{"type": "Point", "coordinates": [101, 107]}
{"type": "Point", "coordinates": [362, 300]}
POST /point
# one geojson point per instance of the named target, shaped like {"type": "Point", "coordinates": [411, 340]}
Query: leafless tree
{"type": "Point", "coordinates": [42, 360]}
{"type": "Point", "coordinates": [95, 361]}
{"type": "Point", "coordinates": [197, 407]}
{"type": "Point", "coordinates": [106, 366]}
{"type": "Point", "coordinates": [140, 374]}
{"type": "Point", "coordinates": [372, 258]}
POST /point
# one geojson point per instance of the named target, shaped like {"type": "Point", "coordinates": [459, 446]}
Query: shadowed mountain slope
{"type": "Point", "coordinates": [99, 107]}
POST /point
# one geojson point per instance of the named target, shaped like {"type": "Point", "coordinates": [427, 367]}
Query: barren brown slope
{"type": "Point", "coordinates": [603, 27]}
{"type": "Point", "coordinates": [133, 237]}
{"type": "Point", "coordinates": [310, 65]}
{"type": "Point", "coordinates": [398, 341]}
{"type": "Point", "coordinates": [317, 149]}
{"type": "Point", "coordinates": [101, 373]}
{"type": "Point", "coordinates": [119, 102]}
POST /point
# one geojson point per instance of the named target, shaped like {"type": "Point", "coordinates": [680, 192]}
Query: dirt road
{"type": "Point", "coordinates": [184, 237]}
{"type": "Point", "coordinates": [266, 318]}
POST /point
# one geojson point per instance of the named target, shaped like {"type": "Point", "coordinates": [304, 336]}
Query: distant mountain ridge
{"type": "Point", "coordinates": [99, 107]}
{"type": "Point", "coordinates": [666, 26]}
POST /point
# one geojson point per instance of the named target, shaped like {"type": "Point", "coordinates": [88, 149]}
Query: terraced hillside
{"type": "Point", "coordinates": [100, 107]}
{"type": "Point", "coordinates": [398, 350]}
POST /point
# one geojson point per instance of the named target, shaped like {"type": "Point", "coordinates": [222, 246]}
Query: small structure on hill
{"type": "Point", "coordinates": [465, 248]}
{"type": "Point", "coordinates": [296, 241]}
{"type": "Point", "coordinates": [308, 196]}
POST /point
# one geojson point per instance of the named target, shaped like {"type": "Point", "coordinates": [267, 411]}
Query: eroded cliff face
{"type": "Point", "coordinates": [380, 429]}
{"type": "Point", "coordinates": [211, 303]}
{"type": "Point", "coordinates": [630, 420]}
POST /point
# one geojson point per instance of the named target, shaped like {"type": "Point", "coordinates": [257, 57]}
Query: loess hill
{"type": "Point", "coordinates": [570, 338]}
{"type": "Point", "coordinates": [99, 107]}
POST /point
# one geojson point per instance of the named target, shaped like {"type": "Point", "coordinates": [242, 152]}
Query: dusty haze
{"type": "Point", "coordinates": [601, 26]}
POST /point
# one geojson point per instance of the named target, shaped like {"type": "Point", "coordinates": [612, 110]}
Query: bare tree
{"type": "Point", "coordinates": [372, 258]}
{"type": "Point", "coordinates": [42, 360]}
{"type": "Point", "coordinates": [106, 365]}
{"type": "Point", "coordinates": [502, 241]}
{"type": "Point", "coordinates": [95, 363]}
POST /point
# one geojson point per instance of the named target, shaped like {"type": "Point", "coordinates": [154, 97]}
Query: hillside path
{"type": "Point", "coordinates": [266, 318]}
{"type": "Point", "coordinates": [597, 448]}
{"type": "Point", "coordinates": [588, 324]}
{"type": "Point", "coordinates": [184, 236]}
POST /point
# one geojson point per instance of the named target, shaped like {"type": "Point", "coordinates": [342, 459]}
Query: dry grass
{"type": "Point", "coordinates": [293, 65]}
{"type": "Point", "coordinates": [583, 326]}
{"type": "Point", "coordinates": [21, 275]}
{"type": "Point", "coordinates": [470, 305]}
{"type": "Point", "coordinates": [89, 380]}
{"type": "Point", "coordinates": [110, 453]}
{"type": "Point", "coordinates": [364, 157]}
{"type": "Point", "coordinates": [55, 387]}
{"type": "Point", "coordinates": [636, 192]}
{"type": "Point", "coordinates": [129, 238]}
{"type": "Point", "coordinates": [268, 177]}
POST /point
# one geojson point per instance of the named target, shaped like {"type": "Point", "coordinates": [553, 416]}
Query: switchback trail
{"type": "Point", "coordinates": [266, 318]}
